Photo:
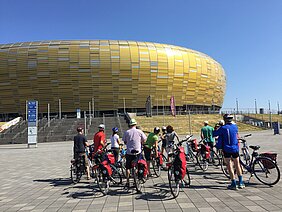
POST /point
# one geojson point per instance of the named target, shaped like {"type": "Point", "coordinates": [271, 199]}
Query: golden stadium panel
{"type": "Point", "coordinates": [110, 71]}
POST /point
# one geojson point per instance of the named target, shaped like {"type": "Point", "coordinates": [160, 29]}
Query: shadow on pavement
{"type": "Point", "coordinates": [56, 181]}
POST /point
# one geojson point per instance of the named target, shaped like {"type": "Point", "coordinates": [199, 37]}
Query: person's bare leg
{"type": "Point", "coordinates": [229, 168]}
{"type": "Point", "coordinates": [88, 172]}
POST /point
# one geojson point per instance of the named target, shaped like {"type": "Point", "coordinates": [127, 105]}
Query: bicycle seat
{"type": "Point", "coordinates": [255, 147]}
{"type": "Point", "coordinates": [134, 151]}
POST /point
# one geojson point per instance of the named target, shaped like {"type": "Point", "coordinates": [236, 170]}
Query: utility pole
{"type": "Point", "coordinates": [237, 106]}
{"type": "Point", "coordinates": [48, 116]}
{"type": "Point", "coordinates": [256, 109]}
{"type": "Point", "coordinates": [270, 118]}
{"type": "Point", "coordinates": [60, 109]}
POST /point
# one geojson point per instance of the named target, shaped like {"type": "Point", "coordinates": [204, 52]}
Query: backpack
{"type": "Point", "coordinates": [106, 168]}
{"type": "Point", "coordinates": [180, 164]}
{"type": "Point", "coordinates": [142, 168]}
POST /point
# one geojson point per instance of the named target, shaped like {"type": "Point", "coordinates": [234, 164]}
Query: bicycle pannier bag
{"type": "Point", "coordinates": [194, 145]}
{"type": "Point", "coordinates": [142, 168]}
{"type": "Point", "coordinates": [205, 151]}
{"type": "Point", "coordinates": [160, 158]}
{"type": "Point", "coordinates": [272, 156]}
{"type": "Point", "coordinates": [106, 168]}
{"type": "Point", "coordinates": [111, 158]}
{"type": "Point", "coordinates": [180, 164]}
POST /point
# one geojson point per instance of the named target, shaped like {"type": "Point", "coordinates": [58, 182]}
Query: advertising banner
{"type": "Point", "coordinates": [172, 106]}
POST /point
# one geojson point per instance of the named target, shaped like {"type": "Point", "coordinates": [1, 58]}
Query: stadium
{"type": "Point", "coordinates": [110, 74]}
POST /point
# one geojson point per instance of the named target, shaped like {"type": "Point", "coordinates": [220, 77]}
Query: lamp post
{"type": "Point", "coordinates": [237, 106]}
{"type": "Point", "coordinates": [48, 116]}
{"type": "Point", "coordinates": [256, 109]}
{"type": "Point", "coordinates": [278, 108]}
{"type": "Point", "coordinates": [123, 105]}
{"type": "Point", "coordinates": [60, 109]}
{"type": "Point", "coordinates": [270, 118]}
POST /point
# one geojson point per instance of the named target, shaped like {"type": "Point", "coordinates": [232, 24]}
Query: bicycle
{"type": "Point", "coordinates": [175, 178]}
{"type": "Point", "coordinates": [77, 168]}
{"type": "Point", "coordinates": [104, 171]}
{"type": "Point", "coordinates": [137, 171]}
{"type": "Point", "coordinates": [264, 168]}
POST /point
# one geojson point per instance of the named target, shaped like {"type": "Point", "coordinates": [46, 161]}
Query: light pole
{"type": "Point", "coordinates": [237, 106]}
{"type": "Point", "coordinates": [93, 108]}
{"type": "Point", "coordinates": [60, 109]}
{"type": "Point", "coordinates": [124, 105]}
{"type": "Point", "coordinates": [48, 116]}
{"type": "Point", "coordinates": [278, 108]}
{"type": "Point", "coordinates": [270, 118]}
{"type": "Point", "coordinates": [256, 109]}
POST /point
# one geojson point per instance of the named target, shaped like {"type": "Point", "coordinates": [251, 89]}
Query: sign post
{"type": "Point", "coordinates": [32, 122]}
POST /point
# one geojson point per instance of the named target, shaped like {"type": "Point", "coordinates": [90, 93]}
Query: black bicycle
{"type": "Point", "coordinates": [77, 168]}
{"type": "Point", "coordinates": [264, 168]}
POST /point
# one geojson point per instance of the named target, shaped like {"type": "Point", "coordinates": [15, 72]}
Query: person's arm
{"type": "Point", "coordinates": [156, 148]}
{"type": "Point", "coordinates": [202, 134]}
{"type": "Point", "coordinates": [143, 137]}
{"type": "Point", "coordinates": [177, 137]}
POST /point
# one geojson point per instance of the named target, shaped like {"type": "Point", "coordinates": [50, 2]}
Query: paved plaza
{"type": "Point", "coordinates": [37, 179]}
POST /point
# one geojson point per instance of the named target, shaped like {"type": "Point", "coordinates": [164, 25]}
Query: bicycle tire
{"type": "Point", "coordinates": [191, 157]}
{"type": "Point", "coordinates": [202, 162]}
{"type": "Point", "coordinates": [267, 176]}
{"type": "Point", "coordinates": [173, 183]}
{"type": "Point", "coordinates": [187, 179]}
{"type": "Point", "coordinates": [102, 181]}
{"type": "Point", "coordinates": [137, 182]}
{"type": "Point", "coordinates": [215, 160]}
{"type": "Point", "coordinates": [116, 177]}
{"type": "Point", "coordinates": [73, 174]}
{"type": "Point", "coordinates": [156, 166]}
{"type": "Point", "coordinates": [245, 157]}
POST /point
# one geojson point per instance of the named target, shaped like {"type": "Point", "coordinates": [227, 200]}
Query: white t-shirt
{"type": "Point", "coordinates": [114, 141]}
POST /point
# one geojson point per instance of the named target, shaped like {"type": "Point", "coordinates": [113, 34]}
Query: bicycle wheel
{"type": "Point", "coordinates": [245, 156]}
{"type": "Point", "coordinates": [191, 157]}
{"type": "Point", "coordinates": [137, 181]}
{"type": "Point", "coordinates": [187, 180]}
{"type": "Point", "coordinates": [266, 171]}
{"type": "Point", "coordinates": [76, 173]}
{"type": "Point", "coordinates": [202, 162]}
{"type": "Point", "coordinates": [102, 181]}
{"type": "Point", "coordinates": [156, 166]}
{"type": "Point", "coordinates": [173, 183]}
{"type": "Point", "coordinates": [116, 175]}
{"type": "Point", "coordinates": [215, 160]}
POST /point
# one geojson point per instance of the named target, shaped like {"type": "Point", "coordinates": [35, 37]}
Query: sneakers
{"type": "Point", "coordinates": [232, 187]}
{"type": "Point", "coordinates": [241, 185]}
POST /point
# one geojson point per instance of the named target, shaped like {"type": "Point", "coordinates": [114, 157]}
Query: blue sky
{"type": "Point", "coordinates": [245, 36]}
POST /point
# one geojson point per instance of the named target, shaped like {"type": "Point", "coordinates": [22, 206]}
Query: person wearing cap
{"type": "Point", "coordinates": [151, 142]}
{"type": "Point", "coordinates": [163, 137]}
{"type": "Point", "coordinates": [99, 138]}
{"type": "Point", "coordinates": [79, 148]}
{"type": "Point", "coordinates": [228, 141]}
{"type": "Point", "coordinates": [133, 138]}
{"type": "Point", "coordinates": [206, 134]}
{"type": "Point", "coordinates": [115, 143]}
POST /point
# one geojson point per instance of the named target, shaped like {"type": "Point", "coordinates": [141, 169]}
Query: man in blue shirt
{"type": "Point", "coordinates": [228, 142]}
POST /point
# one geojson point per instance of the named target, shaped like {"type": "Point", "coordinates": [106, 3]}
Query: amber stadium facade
{"type": "Point", "coordinates": [113, 73]}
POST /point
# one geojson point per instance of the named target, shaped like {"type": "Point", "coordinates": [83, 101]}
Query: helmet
{"type": "Point", "coordinates": [115, 129]}
{"type": "Point", "coordinates": [79, 129]}
{"type": "Point", "coordinates": [221, 122]}
{"type": "Point", "coordinates": [102, 126]}
{"type": "Point", "coordinates": [227, 117]}
{"type": "Point", "coordinates": [132, 122]}
{"type": "Point", "coordinates": [156, 130]}
{"type": "Point", "coordinates": [163, 128]}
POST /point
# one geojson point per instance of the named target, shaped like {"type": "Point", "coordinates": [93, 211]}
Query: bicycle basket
{"type": "Point", "coordinates": [272, 156]}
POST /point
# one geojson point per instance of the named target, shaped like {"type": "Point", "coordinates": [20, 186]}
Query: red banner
{"type": "Point", "coordinates": [172, 106]}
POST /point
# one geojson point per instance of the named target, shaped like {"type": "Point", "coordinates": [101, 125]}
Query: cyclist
{"type": "Point", "coordinates": [228, 141]}
{"type": "Point", "coordinates": [79, 148]}
{"type": "Point", "coordinates": [206, 133]}
{"type": "Point", "coordinates": [99, 138]}
{"type": "Point", "coordinates": [170, 137]}
{"type": "Point", "coordinates": [115, 143]}
{"type": "Point", "coordinates": [151, 142]}
{"type": "Point", "coordinates": [133, 138]}
{"type": "Point", "coordinates": [163, 137]}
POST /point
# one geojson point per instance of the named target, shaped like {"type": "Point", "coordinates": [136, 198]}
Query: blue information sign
{"type": "Point", "coordinates": [32, 111]}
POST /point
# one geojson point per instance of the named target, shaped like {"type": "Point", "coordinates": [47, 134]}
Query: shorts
{"type": "Point", "coordinates": [164, 143]}
{"type": "Point", "coordinates": [115, 151]}
{"type": "Point", "coordinates": [229, 155]}
{"type": "Point", "coordinates": [84, 157]}
{"type": "Point", "coordinates": [129, 159]}
{"type": "Point", "coordinates": [147, 153]}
